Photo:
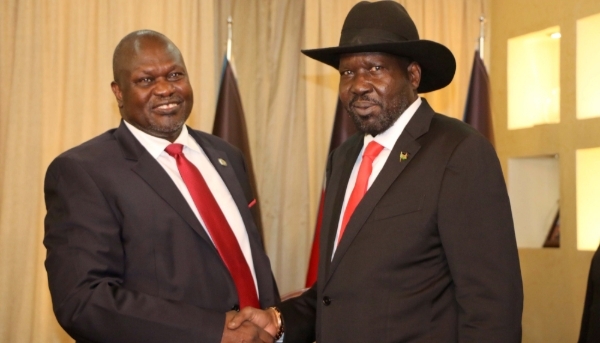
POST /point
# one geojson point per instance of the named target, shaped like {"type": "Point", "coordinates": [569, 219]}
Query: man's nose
{"type": "Point", "coordinates": [164, 87]}
{"type": "Point", "coordinates": [361, 85]}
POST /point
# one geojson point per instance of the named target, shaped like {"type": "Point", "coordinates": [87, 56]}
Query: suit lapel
{"type": "Point", "coordinates": [336, 190]}
{"type": "Point", "coordinates": [406, 143]}
{"type": "Point", "coordinates": [155, 176]}
{"type": "Point", "coordinates": [228, 175]}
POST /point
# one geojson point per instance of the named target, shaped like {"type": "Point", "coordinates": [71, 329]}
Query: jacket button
{"type": "Point", "coordinates": [326, 301]}
{"type": "Point", "coordinates": [236, 308]}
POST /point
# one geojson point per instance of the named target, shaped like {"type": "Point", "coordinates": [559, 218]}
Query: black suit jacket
{"type": "Point", "coordinates": [127, 259]}
{"type": "Point", "coordinates": [429, 255]}
{"type": "Point", "coordinates": [590, 322]}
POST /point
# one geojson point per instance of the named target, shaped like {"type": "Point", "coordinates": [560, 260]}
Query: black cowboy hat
{"type": "Point", "coordinates": [385, 26]}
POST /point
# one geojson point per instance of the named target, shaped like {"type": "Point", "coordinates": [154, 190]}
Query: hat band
{"type": "Point", "coordinates": [352, 37]}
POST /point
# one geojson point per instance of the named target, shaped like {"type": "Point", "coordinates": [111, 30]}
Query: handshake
{"type": "Point", "coordinates": [253, 325]}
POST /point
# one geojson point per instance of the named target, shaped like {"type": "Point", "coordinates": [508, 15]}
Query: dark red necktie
{"type": "Point", "coordinates": [362, 180]}
{"type": "Point", "coordinates": [218, 227]}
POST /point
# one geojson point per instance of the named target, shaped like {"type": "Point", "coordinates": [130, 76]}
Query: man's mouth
{"type": "Point", "coordinates": [167, 107]}
{"type": "Point", "coordinates": [363, 107]}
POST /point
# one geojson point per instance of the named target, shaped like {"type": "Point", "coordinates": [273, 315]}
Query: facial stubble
{"type": "Point", "coordinates": [385, 119]}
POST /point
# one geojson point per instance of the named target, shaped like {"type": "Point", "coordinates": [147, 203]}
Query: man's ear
{"type": "Point", "coordinates": [118, 94]}
{"type": "Point", "coordinates": [414, 74]}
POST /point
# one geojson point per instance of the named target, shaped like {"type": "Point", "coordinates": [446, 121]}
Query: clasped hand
{"type": "Point", "coordinates": [250, 325]}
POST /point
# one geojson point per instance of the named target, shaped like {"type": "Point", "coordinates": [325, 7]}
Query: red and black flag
{"type": "Point", "coordinates": [343, 127]}
{"type": "Point", "coordinates": [230, 124]}
{"type": "Point", "coordinates": [478, 112]}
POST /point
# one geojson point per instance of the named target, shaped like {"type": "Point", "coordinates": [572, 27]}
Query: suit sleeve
{"type": "Point", "coordinates": [299, 315]}
{"type": "Point", "coordinates": [86, 268]}
{"type": "Point", "coordinates": [590, 330]}
{"type": "Point", "coordinates": [476, 228]}
{"type": "Point", "coordinates": [587, 305]}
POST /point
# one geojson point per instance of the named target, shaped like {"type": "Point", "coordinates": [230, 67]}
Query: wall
{"type": "Point", "coordinates": [554, 279]}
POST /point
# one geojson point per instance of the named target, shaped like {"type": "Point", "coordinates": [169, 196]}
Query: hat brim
{"type": "Point", "coordinates": [437, 62]}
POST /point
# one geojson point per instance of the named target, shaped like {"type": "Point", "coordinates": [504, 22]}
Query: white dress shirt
{"type": "Point", "coordinates": [387, 139]}
{"type": "Point", "coordinates": [194, 153]}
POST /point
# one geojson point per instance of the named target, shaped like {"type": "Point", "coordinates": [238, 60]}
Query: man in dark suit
{"type": "Point", "coordinates": [133, 254]}
{"type": "Point", "coordinates": [590, 321]}
{"type": "Point", "coordinates": [417, 241]}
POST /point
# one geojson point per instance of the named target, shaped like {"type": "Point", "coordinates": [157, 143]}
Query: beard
{"type": "Point", "coordinates": [171, 125]}
{"type": "Point", "coordinates": [375, 124]}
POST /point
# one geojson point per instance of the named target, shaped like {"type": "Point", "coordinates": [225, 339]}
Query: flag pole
{"type": "Point", "coordinates": [230, 122]}
{"type": "Point", "coordinates": [229, 35]}
{"type": "Point", "coordinates": [481, 35]}
{"type": "Point", "coordinates": [478, 111]}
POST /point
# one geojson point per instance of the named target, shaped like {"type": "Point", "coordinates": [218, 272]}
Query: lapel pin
{"type": "Point", "coordinates": [403, 156]}
{"type": "Point", "coordinates": [223, 162]}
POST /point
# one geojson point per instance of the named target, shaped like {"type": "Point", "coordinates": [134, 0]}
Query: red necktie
{"type": "Point", "coordinates": [362, 180]}
{"type": "Point", "coordinates": [218, 227]}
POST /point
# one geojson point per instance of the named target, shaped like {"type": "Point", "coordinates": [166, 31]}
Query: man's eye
{"type": "Point", "coordinates": [346, 73]}
{"type": "Point", "coordinates": [376, 68]}
{"type": "Point", "coordinates": [175, 76]}
{"type": "Point", "coordinates": [144, 80]}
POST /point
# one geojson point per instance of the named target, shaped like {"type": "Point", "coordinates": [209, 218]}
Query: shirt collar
{"type": "Point", "coordinates": [156, 145]}
{"type": "Point", "coordinates": [389, 137]}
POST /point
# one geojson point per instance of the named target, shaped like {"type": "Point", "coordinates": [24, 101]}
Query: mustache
{"type": "Point", "coordinates": [363, 98]}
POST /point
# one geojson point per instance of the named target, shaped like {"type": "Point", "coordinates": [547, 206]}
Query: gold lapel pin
{"type": "Point", "coordinates": [223, 162]}
{"type": "Point", "coordinates": [403, 156]}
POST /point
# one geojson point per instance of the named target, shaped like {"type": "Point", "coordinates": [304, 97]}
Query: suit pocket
{"type": "Point", "coordinates": [404, 206]}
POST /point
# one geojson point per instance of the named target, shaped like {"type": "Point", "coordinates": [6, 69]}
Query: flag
{"type": "Point", "coordinates": [230, 125]}
{"type": "Point", "coordinates": [478, 111]}
{"type": "Point", "coordinates": [553, 237]}
{"type": "Point", "coordinates": [343, 127]}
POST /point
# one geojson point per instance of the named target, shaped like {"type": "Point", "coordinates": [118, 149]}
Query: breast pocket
{"type": "Point", "coordinates": [402, 207]}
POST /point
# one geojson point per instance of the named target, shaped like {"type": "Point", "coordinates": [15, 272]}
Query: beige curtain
{"type": "Point", "coordinates": [266, 41]}
{"type": "Point", "coordinates": [55, 71]}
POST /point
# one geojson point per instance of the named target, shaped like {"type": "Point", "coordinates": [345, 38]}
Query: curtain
{"type": "Point", "coordinates": [55, 74]}
{"type": "Point", "coordinates": [267, 36]}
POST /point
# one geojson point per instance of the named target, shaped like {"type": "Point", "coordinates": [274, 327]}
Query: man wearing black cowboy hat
{"type": "Point", "coordinates": [417, 241]}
